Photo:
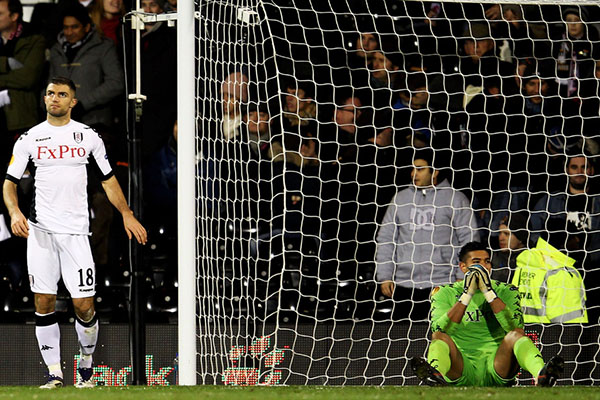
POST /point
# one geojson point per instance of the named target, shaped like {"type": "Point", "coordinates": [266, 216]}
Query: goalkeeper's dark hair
{"type": "Point", "coordinates": [469, 247]}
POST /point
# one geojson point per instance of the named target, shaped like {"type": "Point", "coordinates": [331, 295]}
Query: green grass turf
{"type": "Point", "coordinates": [303, 393]}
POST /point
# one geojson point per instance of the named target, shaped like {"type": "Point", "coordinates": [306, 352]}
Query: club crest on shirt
{"type": "Point", "coordinates": [78, 136]}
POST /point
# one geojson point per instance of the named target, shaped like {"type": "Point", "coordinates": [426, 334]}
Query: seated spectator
{"type": "Point", "coordinates": [299, 108]}
{"type": "Point", "coordinates": [513, 238]}
{"type": "Point", "coordinates": [524, 36]}
{"type": "Point", "coordinates": [574, 47]}
{"type": "Point", "coordinates": [234, 96]}
{"type": "Point", "coordinates": [385, 74]}
{"type": "Point", "coordinates": [412, 118]}
{"type": "Point", "coordinates": [106, 16]}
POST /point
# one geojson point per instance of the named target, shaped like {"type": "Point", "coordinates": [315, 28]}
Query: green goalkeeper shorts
{"type": "Point", "coordinates": [479, 371]}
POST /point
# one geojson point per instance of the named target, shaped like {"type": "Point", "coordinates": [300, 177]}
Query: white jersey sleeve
{"type": "Point", "coordinates": [99, 154]}
{"type": "Point", "coordinates": [19, 159]}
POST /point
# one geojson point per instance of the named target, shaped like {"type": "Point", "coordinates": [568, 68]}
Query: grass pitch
{"type": "Point", "coordinates": [303, 393]}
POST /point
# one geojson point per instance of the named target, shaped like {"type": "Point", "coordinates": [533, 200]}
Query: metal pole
{"type": "Point", "coordinates": [137, 327]}
{"type": "Point", "coordinates": [186, 196]}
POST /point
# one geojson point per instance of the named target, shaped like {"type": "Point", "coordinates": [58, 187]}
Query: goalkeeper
{"type": "Point", "coordinates": [478, 337]}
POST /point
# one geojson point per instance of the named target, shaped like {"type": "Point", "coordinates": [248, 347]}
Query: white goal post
{"type": "Point", "coordinates": [294, 137]}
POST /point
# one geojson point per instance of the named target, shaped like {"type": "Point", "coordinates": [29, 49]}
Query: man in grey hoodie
{"type": "Point", "coordinates": [421, 233]}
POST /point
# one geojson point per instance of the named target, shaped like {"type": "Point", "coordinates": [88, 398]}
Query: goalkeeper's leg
{"type": "Point", "coordinates": [517, 350]}
{"type": "Point", "coordinates": [444, 356]}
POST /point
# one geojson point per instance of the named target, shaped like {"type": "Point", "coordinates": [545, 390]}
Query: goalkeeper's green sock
{"type": "Point", "coordinates": [438, 356]}
{"type": "Point", "coordinates": [528, 356]}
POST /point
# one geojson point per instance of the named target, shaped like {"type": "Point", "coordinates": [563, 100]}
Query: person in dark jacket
{"type": "Point", "coordinates": [21, 66]}
{"type": "Point", "coordinates": [92, 63]}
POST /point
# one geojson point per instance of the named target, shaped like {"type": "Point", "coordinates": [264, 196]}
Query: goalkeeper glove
{"type": "Point", "coordinates": [470, 287]}
{"type": "Point", "coordinates": [485, 282]}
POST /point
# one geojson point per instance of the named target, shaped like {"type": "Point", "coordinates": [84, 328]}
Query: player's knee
{"type": "Point", "coordinates": [44, 303]}
{"type": "Point", "coordinates": [441, 336]}
{"type": "Point", "coordinates": [84, 309]}
{"type": "Point", "coordinates": [514, 335]}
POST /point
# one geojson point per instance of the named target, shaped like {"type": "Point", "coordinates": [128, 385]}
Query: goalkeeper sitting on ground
{"type": "Point", "coordinates": [478, 337]}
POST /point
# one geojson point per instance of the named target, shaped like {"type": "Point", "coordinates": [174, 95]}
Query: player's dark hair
{"type": "Point", "coordinates": [61, 80]}
{"type": "Point", "coordinates": [469, 247]}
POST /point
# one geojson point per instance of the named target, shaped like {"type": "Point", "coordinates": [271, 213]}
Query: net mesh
{"type": "Point", "coordinates": [311, 118]}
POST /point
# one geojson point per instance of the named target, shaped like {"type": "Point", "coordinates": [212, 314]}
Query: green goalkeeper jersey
{"type": "Point", "coordinates": [480, 332]}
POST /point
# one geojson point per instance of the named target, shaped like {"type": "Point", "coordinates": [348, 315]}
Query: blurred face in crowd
{"type": "Point", "coordinates": [8, 21]}
{"type": "Point", "coordinates": [296, 100]}
{"type": "Point", "coordinates": [507, 240]}
{"type": "Point", "coordinates": [476, 257]}
{"type": "Point", "coordinates": [381, 66]}
{"type": "Point", "coordinates": [366, 43]}
{"type": "Point", "coordinates": [419, 97]}
{"type": "Point", "coordinates": [579, 170]}
{"type": "Point", "coordinates": [423, 175]}
{"type": "Point", "coordinates": [112, 7]}
{"type": "Point", "coordinates": [532, 90]}
{"type": "Point", "coordinates": [73, 30]}
{"type": "Point", "coordinates": [574, 25]}
{"type": "Point", "coordinates": [347, 113]}
{"type": "Point", "coordinates": [477, 48]}
{"type": "Point", "coordinates": [234, 91]}
{"type": "Point", "coordinates": [151, 6]}
{"type": "Point", "coordinates": [258, 122]}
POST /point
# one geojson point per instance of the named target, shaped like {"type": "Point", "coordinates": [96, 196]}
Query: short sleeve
{"type": "Point", "coordinates": [99, 154]}
{"type": "Point", "coordinates": [20, 158]}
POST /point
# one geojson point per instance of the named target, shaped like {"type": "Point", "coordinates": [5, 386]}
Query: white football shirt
{"type": "Point", "coordinates": [59, 155]}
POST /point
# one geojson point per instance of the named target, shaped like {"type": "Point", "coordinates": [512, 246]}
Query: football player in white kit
{"type": "Point", "coordinates": [57, 152]}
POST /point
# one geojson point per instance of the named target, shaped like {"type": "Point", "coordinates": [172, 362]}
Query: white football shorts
{"type": "Point", "coordinates": [51, 256]}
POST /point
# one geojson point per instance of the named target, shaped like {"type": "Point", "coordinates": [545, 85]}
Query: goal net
{"type": "Point", "coordinates": [311, 116]}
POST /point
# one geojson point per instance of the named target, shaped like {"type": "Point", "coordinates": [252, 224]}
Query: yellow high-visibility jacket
{"type": "Point", "coordinates": [551, 288]}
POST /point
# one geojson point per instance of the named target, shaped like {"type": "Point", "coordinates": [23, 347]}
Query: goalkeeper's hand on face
{"type": "Point", "coordinates": [484, 281]}
{"type": "Point", "coordinates": [471, 286]}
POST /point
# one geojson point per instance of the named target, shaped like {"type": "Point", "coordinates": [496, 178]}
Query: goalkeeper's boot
{"type": "Point", "coordinates": [53, 382]}
{"type": "Point", "coordinates": [86, 378]}
{"type": "Point", "coordinates": [551, 371]}
{"type": "Point", "coordinates": [426, 373]}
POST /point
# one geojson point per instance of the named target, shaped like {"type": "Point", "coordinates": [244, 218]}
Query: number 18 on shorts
{"type": "Point", "coordinates": [51, 256]}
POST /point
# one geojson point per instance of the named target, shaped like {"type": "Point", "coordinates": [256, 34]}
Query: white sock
{"type": "Point", "coordinates": [47, 333]}
{"type": "Point", "coordinates": [87, 333]}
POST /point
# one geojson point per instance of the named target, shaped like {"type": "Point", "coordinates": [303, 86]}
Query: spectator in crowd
{"type": "Point", "coordinates": [106, 16]}
{"type": "Point", "coordinates": [92, 63]}
{"type": "Point", "coordinates": [159, 80]}
{"type": "Point", "coordinates": [299, 108]}
{"type": "Point", "coordinates": [234, 97]}
{"type": "Point", "coordinates": [412, 118]}
{"type": "Point", "coordinates": [386, 76]}
{"type": "Point", "coordinates": [22, 61]}
{"type": "Point", "coordinates": [513, 238]}
{"type": "Point", "coordinates": [572, 218]}
{"type": "Point", "coordinates": [477, 63]}
{"type": "Point", "coordinates": [572, 221]}
{"type": "Point", "coordinates": [524, 37]}
{"type": "Point", "coordinates": [574, 48]}
{"type": "Point", "coordinates": [339, 137]}
{"type": "Point", "coordinates": [419, 238]}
